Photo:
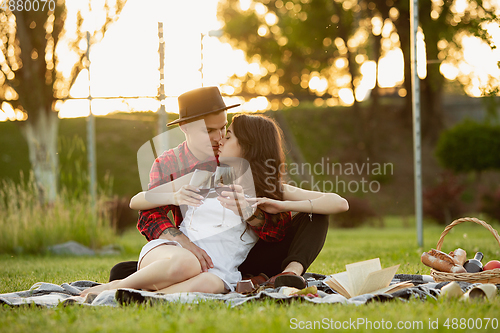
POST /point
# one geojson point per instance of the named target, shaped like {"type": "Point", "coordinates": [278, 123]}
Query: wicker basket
{"type": "Point", "coordinates": [490, 276]}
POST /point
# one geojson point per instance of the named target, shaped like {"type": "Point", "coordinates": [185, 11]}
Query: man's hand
{"type": "Point", "coordinates": [187, 195]}
{"type": "Point", "coordinates": [176, 235]}
{"type": "Point", "coordinates": [236, 201]}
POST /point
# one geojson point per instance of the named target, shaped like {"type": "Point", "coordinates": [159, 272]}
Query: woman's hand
{"type": "Point", "coordinates": [271, 206]}
{"type": "Point", "coordinates": [236, 201]}
{"type": "Point", "coordinates": [187, 195]}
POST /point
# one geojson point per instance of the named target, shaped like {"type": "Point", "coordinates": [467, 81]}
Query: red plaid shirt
{"type": "Point", "coordinates": [165, 168]}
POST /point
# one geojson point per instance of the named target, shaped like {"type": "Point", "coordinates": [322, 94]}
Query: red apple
{"type": "Point", "coordinates": [491, 265]}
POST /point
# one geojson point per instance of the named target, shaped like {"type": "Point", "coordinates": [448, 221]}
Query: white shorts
{"type": "Point", "coordinates": [157, 242]}
{"type": "Point", "coordinates": [151, 245]}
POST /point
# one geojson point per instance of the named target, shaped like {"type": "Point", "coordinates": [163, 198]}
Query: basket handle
{"type": "Point", "coordinates": [462, 220]}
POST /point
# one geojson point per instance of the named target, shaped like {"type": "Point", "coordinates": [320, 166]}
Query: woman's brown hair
{"type": "Point", "coordinates": [260, 139]}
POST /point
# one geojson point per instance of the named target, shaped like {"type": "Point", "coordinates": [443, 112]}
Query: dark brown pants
{"type": "Point", "coordinates": [303, 241]}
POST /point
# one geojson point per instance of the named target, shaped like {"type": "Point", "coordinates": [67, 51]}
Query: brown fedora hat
{"type": "Point", "coordinates": [200, 102]}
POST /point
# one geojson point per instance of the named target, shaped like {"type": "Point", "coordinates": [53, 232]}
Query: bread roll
{"type": "Point", "coordinates": [441, 261]}
{"type": "Point", "coordinates": [459, 256]}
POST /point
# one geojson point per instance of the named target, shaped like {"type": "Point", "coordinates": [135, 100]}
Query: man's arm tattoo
{"type": "Point", "coordinates": [259, 224]}
{"type": "Point", "coordinates": [260, 217]}
{"type": "Point", "coordinates": [172, 231]}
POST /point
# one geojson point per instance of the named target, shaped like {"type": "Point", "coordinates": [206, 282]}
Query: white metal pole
{"type": "Point", "coordinates": [416, 120]}
{"type": "Point", "coordinates": [91, 156]}
{"type": "Point", "coordinates": [201, 57]}
{"type": "Point", "coordinates": [162, 114]}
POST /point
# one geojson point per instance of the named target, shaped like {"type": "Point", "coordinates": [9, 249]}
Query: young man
{"type": "Point", "coordinates": [285, 249]}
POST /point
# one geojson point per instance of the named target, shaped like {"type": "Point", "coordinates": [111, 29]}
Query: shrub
{"type": "Point", "coordinates": [358, 214]}
{"type": "Point", "coordinates": [469, 146]}
{"type": "Point", "coordinates": [29, 226]}
{"type": "Point", "coordinates": [121, 215]}
{"type": "Point", "coordinates": [442, 202]}
{"type": "Point", "coordinates": [490, 204]}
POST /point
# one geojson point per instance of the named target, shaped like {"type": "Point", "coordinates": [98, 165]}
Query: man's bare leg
{"type": "Point", "coordinates": [161, 267]}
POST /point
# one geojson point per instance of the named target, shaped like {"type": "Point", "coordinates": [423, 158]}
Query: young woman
{"type": "Point", "coordinates": [166, 267]}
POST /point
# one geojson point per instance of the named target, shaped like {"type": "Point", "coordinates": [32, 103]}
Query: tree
{"type": "Point", "coordinates": [31, 77]}
{"type": "Point", "coordinates": [298, 41]}
{"type": "Point", "coordinates": [309, 50]}
{"type": "Point", "coordinates": [443, 24]}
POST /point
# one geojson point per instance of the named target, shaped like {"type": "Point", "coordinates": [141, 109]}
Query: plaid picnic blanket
{"type": "Point", "coordinates": [49, 295]}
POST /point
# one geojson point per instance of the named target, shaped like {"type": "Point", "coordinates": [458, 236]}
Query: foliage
{"type": "Point", "coordinates": [314, 49]}
{"type": "Point", "coordinates": [73, 177]}
{"type": "Point", "coordinates": [32, 59]}
{"type": "Point", "coordinates": [121, 216]}
{"type": "Point", "coordinates": [490, 204]}
{"type": "Point", "coordinates": [442, 202]}
{"type": "Point", "coordinates": [491, 103]}
{"type": "Point", "coordinates": [469, 146]}
{"type": "Point", "coordinates": [358, 214]}
{"type": "Point", "coordinates": [301, 45]}
{"type": "Point", "coordinates": [28, 225]}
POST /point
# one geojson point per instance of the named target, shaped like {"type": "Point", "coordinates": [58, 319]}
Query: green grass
{"type": "Point", "coordinates": [395, 244]}
{"type": "Point", "coordinates": [28, 225]}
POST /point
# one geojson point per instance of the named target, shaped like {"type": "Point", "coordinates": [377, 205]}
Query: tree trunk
{"type": "Point", "coordinates": [41, 134]}
{"type": "Point", "coordinates": [403, 28]}
{"type": "Point", "coordinates": [431, 104]}
{"type": "Point", "coordinates": [432, 92]}
{"type": "Point", "coordinates": [375, 93]}
{"type": "Point", "coordinates": [291, 144]}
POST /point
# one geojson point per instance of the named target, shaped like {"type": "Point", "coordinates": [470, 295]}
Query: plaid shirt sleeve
{"type": "Point", "coordinates": [153, 222]}
{"type": "Point", "coordinates": [274, 231]}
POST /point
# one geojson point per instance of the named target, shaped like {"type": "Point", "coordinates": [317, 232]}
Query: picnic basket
{"type": "Point", "coordinates": [490, 276]}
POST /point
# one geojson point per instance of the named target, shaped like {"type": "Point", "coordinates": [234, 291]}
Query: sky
{"type": "Point", "coordinates": [126, 61]}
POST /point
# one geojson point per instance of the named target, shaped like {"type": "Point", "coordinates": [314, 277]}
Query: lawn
{"type": "Point", "coordinates": [394, 244]}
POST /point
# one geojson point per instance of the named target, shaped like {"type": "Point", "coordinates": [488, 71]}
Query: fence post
{"type": "Point", "coordinates": [91, 156]}
{"type": "Point", "coordinates": [415, 84]}
{"type": "Point", "coordinates": [162, 114]}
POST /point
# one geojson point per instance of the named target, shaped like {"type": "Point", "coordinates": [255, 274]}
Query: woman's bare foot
{"type": "Point", "coordinates": [99, 289]}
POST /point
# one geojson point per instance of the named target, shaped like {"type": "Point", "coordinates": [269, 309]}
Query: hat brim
{"type": "Point", "coordinates": [201, 114]}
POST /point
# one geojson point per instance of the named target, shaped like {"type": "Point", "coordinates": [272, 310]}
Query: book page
{"type": "Point", "coordinates": [393, 288]}
{"type": "Point", "coordinates": [378, 280]}
{"type": "Point", "coordinates": [357, 274]}
{"type": "Point", "coordinates": [340, 283]}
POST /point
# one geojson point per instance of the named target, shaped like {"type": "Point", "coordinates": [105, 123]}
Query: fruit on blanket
{"type": "Point", "coordinates": [491, 265]}
{"type": "Point", "coordinates": [309, 290]}
{"type": "Point", "coordinates": [288, 291]}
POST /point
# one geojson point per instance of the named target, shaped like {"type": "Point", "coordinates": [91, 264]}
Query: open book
{"type": "Point", "coordinates": [365, 277]}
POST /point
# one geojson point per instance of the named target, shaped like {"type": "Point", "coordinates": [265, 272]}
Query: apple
{"type": "Point", "coordinates": [491, 265]}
